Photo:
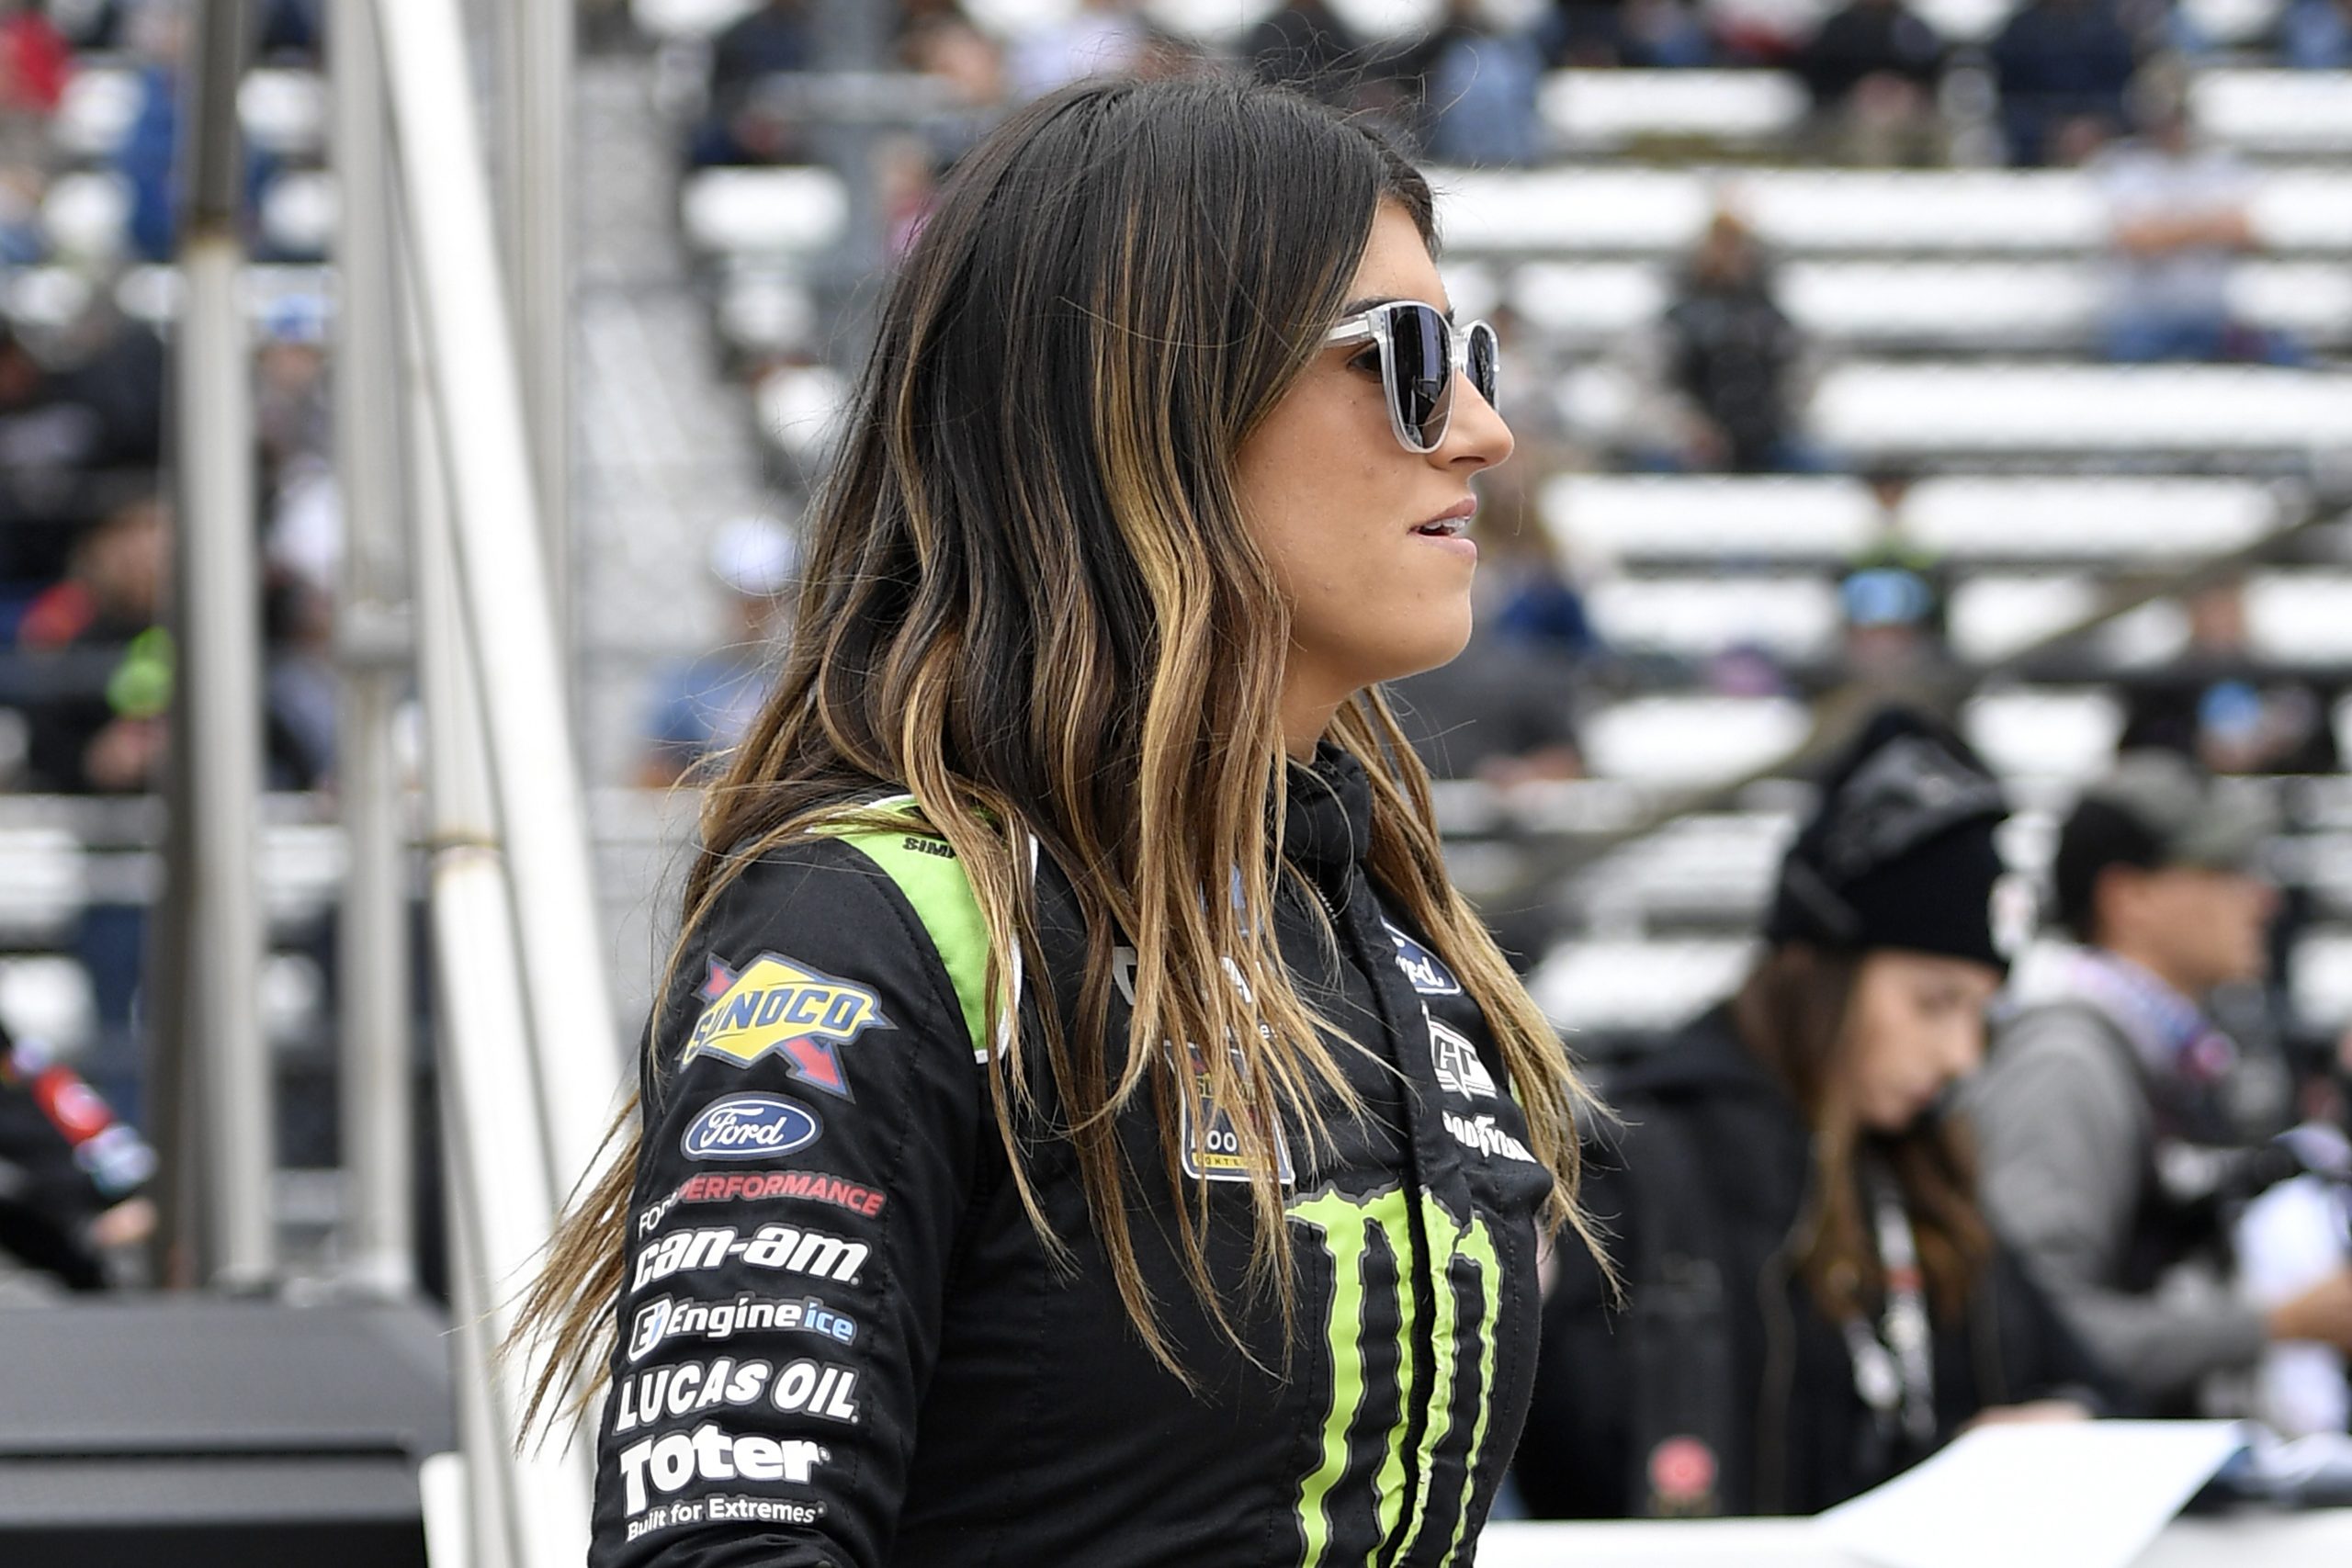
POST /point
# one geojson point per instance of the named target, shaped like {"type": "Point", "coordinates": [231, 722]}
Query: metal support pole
{"type": "Point", "coordinates": [853, 36]}
{"type": "Point", "coordinates": [478, 414]}
{"type": "Point", "coordinates": [532, 1508]}
{"type": "Point", "coordinates": [536, 128]}
{"type": "Point", "coordinates": [372, 953]}
{"type": "Point", "coordinates": [220, 616]}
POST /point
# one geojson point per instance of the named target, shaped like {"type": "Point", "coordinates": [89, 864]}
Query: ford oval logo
{"type": "Point", "coordinates": [750, 1126]}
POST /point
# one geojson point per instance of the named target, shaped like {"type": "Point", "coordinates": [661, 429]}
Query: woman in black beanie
{"type": "Point", "coordinates": [1812, 1300]}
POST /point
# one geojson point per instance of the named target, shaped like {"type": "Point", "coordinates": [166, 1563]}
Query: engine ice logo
{"type": "Point", "coordinates": [750, 1126]}
{"type": "Point", "coordinates": [777, 1006]}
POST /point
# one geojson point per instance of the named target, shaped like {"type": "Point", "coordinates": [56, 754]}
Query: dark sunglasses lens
{"type": "Point", "coordinates": [1424, 387]}
{"type": "Point", "coordinates": [1484, 353]}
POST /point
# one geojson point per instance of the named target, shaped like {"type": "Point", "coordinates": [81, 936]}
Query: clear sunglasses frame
{"type": "Point", "coordinates": [1379, 325]}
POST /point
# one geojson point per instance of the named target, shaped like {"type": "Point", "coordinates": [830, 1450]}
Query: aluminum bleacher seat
{"type": "Point", "coordinates": [675, 20]}
{"type": "Point", "coordinates": [1940, 304]}
{"type": "Point", "coordinates": [45, 296]}
{"type": "Point", "coordinates": [763, 212]}
{"type": "Point", "coordinates": [1793, 618]}
{"type": "Point", "coordinates": [2319, 979]}
{"type": "Point", "coordinates": [800, 410]}
{"type": "Point", "coordinates": [2089, 518]}
{"type": "Point", "coordinates": [763, 312]}
{"type": "Point", "coordinates": [48, 997]}
{"type": "Point", "coordinates": [2276, 113]}
{"type": "Point", "coordinates": [44, 883]}
{"type": "Point", "coordinates": [1625, 517]}
{"type": "Point", "coordinates": [1990, 617]}
{"type": "Point", "coordinates": [2062, 733]}
{"type": "Point", "coordinates": [1599, 110]}
{"type": "Point", "coordinates": [2300, 616]}
{"type": "Point", "coordinates": [297, 214]}
{"type": "Point", "coordinates": [96, 111]}
{"type": "Point", "coordinates": [1617, 986]}
{"type": "Point", "coordinates": [1696, 740]}
{"type": "Point", "coordinates": [1866, 409]}
{"type": "Point", "coordinates": [284, 112]}
{"type": "Point", "coordinates": [88, 215]}
{"type": "Point", "coordinates": [1984, 212]}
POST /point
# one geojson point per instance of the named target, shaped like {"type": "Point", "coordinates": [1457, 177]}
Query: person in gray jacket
{"type": "Point", "coordinates": [2112, 1146]}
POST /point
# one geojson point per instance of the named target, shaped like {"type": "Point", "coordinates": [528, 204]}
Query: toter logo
{"type": "Point", "coordinates": [778, 1007]}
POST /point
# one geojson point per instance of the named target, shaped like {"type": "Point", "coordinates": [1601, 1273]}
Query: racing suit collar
{"type": "Point", "coordinates": [1327, 819]}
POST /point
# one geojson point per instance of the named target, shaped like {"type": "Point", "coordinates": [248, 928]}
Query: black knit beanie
{"type": "Point", "coordinates": [1899, 852]}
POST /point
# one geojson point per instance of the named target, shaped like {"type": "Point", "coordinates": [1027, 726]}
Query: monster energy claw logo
{"type": "Point", "coordinates": [1468, 1271]}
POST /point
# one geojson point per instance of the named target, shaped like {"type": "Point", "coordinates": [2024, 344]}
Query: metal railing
{"type": "Point", "coordinates": [449, 451]}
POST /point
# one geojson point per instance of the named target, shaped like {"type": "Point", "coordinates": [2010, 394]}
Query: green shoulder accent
{"type": "Point", "coordinates": [933, 879]}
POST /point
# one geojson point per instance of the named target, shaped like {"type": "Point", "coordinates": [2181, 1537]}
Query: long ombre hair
{"type": "Point", "coordinates": [1032, 601]}
{"type": "Point", "coordinates": [1795, 1014]}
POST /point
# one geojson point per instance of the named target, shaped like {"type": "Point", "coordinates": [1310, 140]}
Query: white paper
{"type": "Point", "coordinates": [2036, 1494]}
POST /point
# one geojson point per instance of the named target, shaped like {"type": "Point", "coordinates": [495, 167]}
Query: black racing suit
{"type": "Point", "coordinates": [841, 1342]}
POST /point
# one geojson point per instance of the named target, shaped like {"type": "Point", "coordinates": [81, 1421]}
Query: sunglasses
{"type": "Point", "coordinates": [1420, 354]}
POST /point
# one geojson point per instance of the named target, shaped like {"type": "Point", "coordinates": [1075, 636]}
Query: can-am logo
{"type": "Point", "coordinates": [750, 1126]}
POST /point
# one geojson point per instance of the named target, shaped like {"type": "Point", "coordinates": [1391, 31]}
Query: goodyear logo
{"type": "Point", "coordinates": [778, 1007]}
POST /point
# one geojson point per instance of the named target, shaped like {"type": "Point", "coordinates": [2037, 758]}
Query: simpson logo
{"type": "Point", "coordinates": [750, 1126]}
{"type": "Point", "coordinates": [1483, 1135]}
{"type": "Point", "coordinates": [1429, 976]}
{"type": "Point", "coordinates": [670, 1318]}
{"type": "Point", "coordinates": [802, 1388]}
{"type": "Point", "coordinates": [777, 1006]}
{"type": "Point", "coordinates": [675, 1462]}
{"type": "Point", "coordinates": [1460, 1070]}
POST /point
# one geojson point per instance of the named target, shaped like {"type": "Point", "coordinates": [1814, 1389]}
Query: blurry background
{"type": "Point", "coordinates": [1989, 354]}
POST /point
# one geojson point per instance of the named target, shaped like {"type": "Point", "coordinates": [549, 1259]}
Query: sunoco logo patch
{"type": "Point", "coordinates": [750, 1126]}
{"type": "Point", "coordinates": [780, 1007]}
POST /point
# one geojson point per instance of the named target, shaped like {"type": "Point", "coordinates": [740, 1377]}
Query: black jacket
{"type": "Point", "coordinates": [1791, 1434]}
{"type": "Point", "coordinates": [843, 1343]}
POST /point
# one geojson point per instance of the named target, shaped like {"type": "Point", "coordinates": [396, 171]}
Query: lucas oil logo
{"type": "Point", "coordinates": [750, 1126]}
{"type": "Point", "coordinates": [777, 1006]}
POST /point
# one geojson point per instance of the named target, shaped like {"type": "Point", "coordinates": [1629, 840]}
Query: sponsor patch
{"type": "Point", "coordinates": [723, 1509]}
{"type": "Point", "coordinates": [750, 1126]}
{"type": "Point", "coordinates": [1214, 1154]}
{"type": "Point", "coordinates": [669, 1464]}
{"type": "Point", "coordinates": [1460, 1069]}
{"type": "Point", "coordinates": [1428, 975]}
{"type": "Point", "coordinates": [779, 1007]}
{"type": "Point", "coordinates": [670, 1318]}
{"type": "Point", "coordinates": [784, 1247]}
{"type": "Point", "coordinates": [1484, 1136]}
{"type": "Point", "coordinates": [800, 1388]}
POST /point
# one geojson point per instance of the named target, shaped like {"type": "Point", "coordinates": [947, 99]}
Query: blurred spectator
{"type": "Point", "coordinates": [2178, 222]}
{"type": "Point", "coordinates": [707, 705]}
{"type": "Point", "coordinates": [2117, 1123]}
{"type": "Point", "coordinates": [1303, 45]}
{"type": "Point", "coordinates": [146, 157]}
{"type": "Point", "coordinates": [1101, 38]}
{"type": "Point", "coordinates": [290, 27]}
{"type": "Point", "coordinates": [2063, 67]}
{"type": "Point", "coordinates": [63, 435]}
{"type": "Point", "coordinates": [1871, 69]}
{"type": "Point", "coordinates": [2215, 704]}
{"type": "Point", "coordinates": [1502, 711]}
{"type": "Point", "coordinates": [34, 65]}
{"type": "Point", "coordinates": [71, 1174]}
{"type": "Point", "coordinates": [1645, 33]}
{"type": "Point", "coordinates": [99, 727]}
{"type": "Point", "coordinates": [1813, 1300]}
{"type": "Point", "coordinates": [736, 127]}
{"type": "Point", "coordinates": [2291, 1239]}
{"type": "Point", "coordinates": [1730, 361]}
{"type": "Point", "coordinates": [1524, 595]}
{"type": "Point", "coordinates": [1481, 82]}
{"type": "Point", "coordinates": [2316, 35]}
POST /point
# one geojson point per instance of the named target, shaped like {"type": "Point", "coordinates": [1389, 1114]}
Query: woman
{"type": "Point", "coordinates": [934, 1247]}
{"type": "Point", "coordinates": [1812, 1301]}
